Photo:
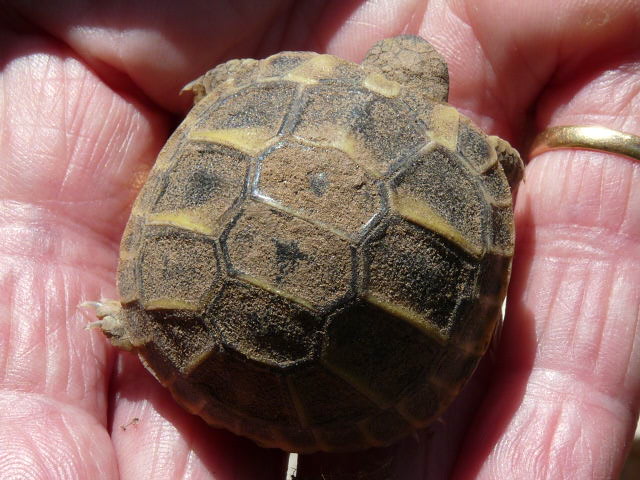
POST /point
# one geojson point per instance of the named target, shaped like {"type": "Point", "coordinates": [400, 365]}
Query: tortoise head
{"type": "Point", "coordinates": [411, 61]}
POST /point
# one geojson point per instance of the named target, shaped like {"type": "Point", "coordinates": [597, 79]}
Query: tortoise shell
{"type": "Point", "coordinates": [318, 258]}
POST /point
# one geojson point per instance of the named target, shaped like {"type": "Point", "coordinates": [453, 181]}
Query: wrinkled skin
{"type": "Point", "coordinates": [89, 95]}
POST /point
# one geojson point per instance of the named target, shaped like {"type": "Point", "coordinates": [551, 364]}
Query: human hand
{"type": "Point", "coordinates": [90, 95]}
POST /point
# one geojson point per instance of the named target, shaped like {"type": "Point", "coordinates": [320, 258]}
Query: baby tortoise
{"type": "Point", "coordinates": [318, 258]}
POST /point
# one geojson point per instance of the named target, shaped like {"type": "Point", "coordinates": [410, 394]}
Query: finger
{"type": "Point", "coordinates": [73, 147]}
{"type": "Point", "coordinates": [158, 54]}
{"type": "Point", "coordinates": [95, 146]}
{"type": "Point", "coordinates": [154, 437]}
{"type": "Point", "coordinates": [565, 401]}
{"type": "Point", "coordinates": [568, 388]}
{"type": "Point", "coordinates": [56, 249]}
{"type": "Point", "coordinates": [192, 447]}
{"type": "Point", "coordinates": [500, 60]}
{"type": "Point", "coordinates": [497, 119]}
{"type": "Point", "coordinates": [498, 68]}
{"type": "Point", "coordinates": [501, 55]}
{"type": "Point", "coordinates": [44, 438]}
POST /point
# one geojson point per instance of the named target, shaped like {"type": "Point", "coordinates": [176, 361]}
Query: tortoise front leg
{"type": "Point", "coordinates": [221, 78]}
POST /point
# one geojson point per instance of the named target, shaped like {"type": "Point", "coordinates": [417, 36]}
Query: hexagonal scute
{"type": "Point", "coordinates": [128, 284]}
{"type": "Point", "coordinates": [247, 119]}
{"type": "Point", "coordinates": [497, 186]}
{"type": "Point", "coordinates": [264, 326]}
{"type": "Point", "coordinates": [328, 113]}
{"type": "Point", "coordinates": [416, 275]}
{"type": "Point", "coordinates": [262, 105]}
{"type": "Point", "coordinates": [322, 185]}
{"type": "Point", "coordinates": [204, 182]}
{"type": "Point", "coordinates": [325, 399]}
{"type": "Point", "coordinates": [179, 339]}
{"type": "Point", "coordinates": [503, 232]}
{"type": "Point", "coordinates": [473, 146]}
{"type": "Point", "coordinates": [178, 269]}
{"type": "Point", "coordinates": [281, 63]}
{"type": "Point", "coordinates": [375, 131]}
{"type": "Point", "coordinates": [244, 388]}
{"type": "Point", "coordinates": [290, 256]}
{"type": "Point", "coordinates": [437, 192]}
{"type": "Point", "coordinates": [377, 352]}
{"type": "Point", "coordinates": [389, 131]}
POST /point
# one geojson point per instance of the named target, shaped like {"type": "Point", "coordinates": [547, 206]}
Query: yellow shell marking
{"type": "Point", "coordinates": [409, 316]}
{"type": "Point", "coordinates": [376, 82]}
{"type": "Point", "coordinates": [166, 381]}
{"type": "Point", "coordinates": [444, 126]}
{"type": "Point", "coordinates": [181, 219]}
{"type": "Point", "coordinates": [198, 360]}
{"type": "Point", "coordinates": [296, 213]}
{"type": "Point", "coordinates": [357, 151]}
{"type": "Point", "coordinates": [494, 144]}
{"type": "Point", "coordinates": [320, 66]}
{"type": "Point", "coordinates": [248, 140]}
{"type": "Point", "coordinates": [270, 288]}
{"type": "Point", "coordinates": [338, 139]}
{"type": "Point", "coordinates": [126, 255]}
{"type": "Point", "coordinates": [345, 142]}
{"type": "Point", "coordinates": [422, 214]}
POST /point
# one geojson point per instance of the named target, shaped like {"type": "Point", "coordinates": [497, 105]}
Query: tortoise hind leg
{"type": "Point", "coordinates": [111, 322]}
{"type": "Point", "coordinates": [509, 158]}
{"type": "Point", "coordinates": [241, 72]}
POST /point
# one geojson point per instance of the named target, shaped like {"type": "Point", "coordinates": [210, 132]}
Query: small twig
{"type": "Point", "coordinates": [133, 421]}
{"type": "Point", "coordinates": [292, 466]}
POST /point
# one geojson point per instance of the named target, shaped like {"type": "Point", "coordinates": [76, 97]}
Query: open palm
{"type": "Point", "coordinates": [88, 97]}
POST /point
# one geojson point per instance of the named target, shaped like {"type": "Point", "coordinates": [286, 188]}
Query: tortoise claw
{"type": "Point", "coordinates": [109, 313]}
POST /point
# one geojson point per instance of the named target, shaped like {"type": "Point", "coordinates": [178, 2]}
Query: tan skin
{"type": "Point", "coordinates": [89, 95]}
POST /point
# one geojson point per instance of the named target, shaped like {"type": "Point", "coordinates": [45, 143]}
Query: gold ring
{"type": "Point", "coordinates": [589, 138]}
